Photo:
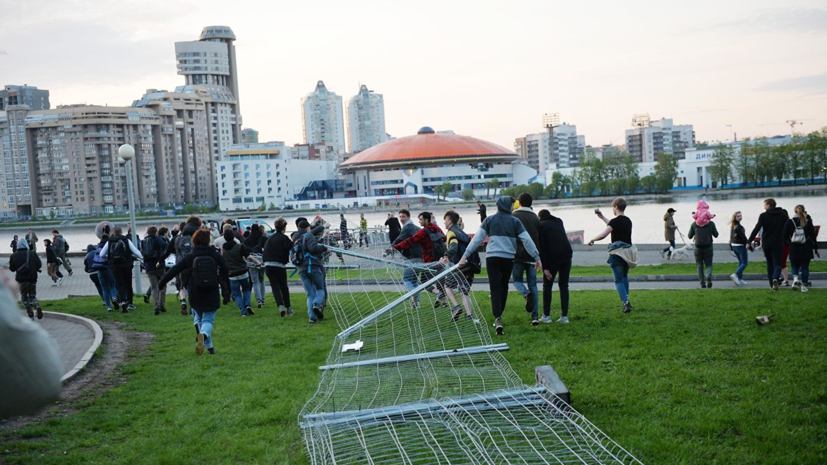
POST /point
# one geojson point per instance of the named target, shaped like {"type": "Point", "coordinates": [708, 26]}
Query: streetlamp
{"type": "Point", "coordinates": [127, 153]}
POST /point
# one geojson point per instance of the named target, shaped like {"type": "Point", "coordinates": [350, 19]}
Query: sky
{"type": "Point", "coordinates": [487, 69]}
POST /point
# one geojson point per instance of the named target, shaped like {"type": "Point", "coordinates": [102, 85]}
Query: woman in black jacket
{"type": "Point", "coordinates": [739, 245]}
{"type": "Point", "coordinates": [25, 264]}
{"type": "Point", "coordinates": [801, 252]}
{"type": "Point", "coordinates": [276, 256]}
{"type": "Point", "coordinates": [205, 265]}
{"type": "Point", "coordinates": [555, 254]}
{"type": "Point", "coordinates": [52, 264]}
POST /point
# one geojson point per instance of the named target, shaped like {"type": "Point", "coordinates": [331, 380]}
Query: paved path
{"type": "Point", "coordinates": [73, 339]}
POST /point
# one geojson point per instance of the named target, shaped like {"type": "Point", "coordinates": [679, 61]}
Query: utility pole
{"type": "Point", "coordinates": [551, 121]}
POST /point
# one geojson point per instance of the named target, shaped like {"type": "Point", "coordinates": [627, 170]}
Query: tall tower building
{"type": "Point", "coordinates": [365, 120]}
{"type": "Point", "coordinates": [249, 136]}
{"type": "Point", "coordinates": [34, 98]}
{"type": "Point", "coordinates": [661, 136]}
{"type": "Point", "coordinates": [209, 66]}
{"type": "Point", "coordinates": [322, 121]}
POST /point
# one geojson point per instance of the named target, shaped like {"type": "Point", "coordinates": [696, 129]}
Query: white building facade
{"type": "Point", "coordinates": [662, 136]}
{"type": "Point", "coordinates": [365, 120]}
{"type": "Point", "coordinates": [322, 120]}
{"type": "Point", "coordinates": [541, 153]}
{"type": "Point", "coordinates": [256, 174]}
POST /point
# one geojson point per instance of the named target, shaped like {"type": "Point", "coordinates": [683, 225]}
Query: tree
{"type": "Point", "coordinates": [648, 183]}
{"type": "Point", "coordinates": [467, 194]}
{"type": "Point", "coordinates": [535, 189]}
{"type": "Point", "coordinates": [666, 171]}
{"type": "Point", "coordinates": [720, 170]}
{"type": "Point", "coordinates": [494, 183]}
{"type": "Point", "coordinates": [272, 206]}
{"type": "Point", "coordinates": [744, 164]}
{"type": "Point", "coordinates": [437, 192]}
{"type": "Point", "coordinates": [559, 183]}
{"type": "Point", "coordinates": [263, 206]}
{"type": "Point", "coordinates": [447, 188]}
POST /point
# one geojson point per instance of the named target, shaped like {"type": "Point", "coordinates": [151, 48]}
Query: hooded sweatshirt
{"type": "Point", "coordinates": [18, 259]}
{"type": "Point", "coordinates": [90, 259]}
{"type": "Point", "coordinates": [669, 227]}
{"type": "Point", "coordinates": [773, 222]}
{"type": "Point", "coordinates": [503, 230]}
{"type": "Point", "coordinates": [234, 254]}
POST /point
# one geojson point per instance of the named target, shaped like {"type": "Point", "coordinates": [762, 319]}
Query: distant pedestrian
{"type": "Point", "coordinates": [238, 272]}
{"type": "Point", "coordinates": [393, 227]}
{"type": "Point", "coordinates": [52, 264]}
{"type": "Point", "coordinates": [25, 264]}
{"type": "Point", "coordinates": [773, 221]}
{"type": "Point", "coordinates": [122, 253]}
{"type": "Point", "coordinates": [14, 244]}
{"type": "Point", "coordinates": [152, 248]}
{"type": "Point", "coordinates": [31, 239]}
{"type": "Point", "coordinates": [106, 278]}
{"type": "Point", "coordinates": [704, 250]}
{"type": "Point", "coordinates": [88, 267]}
{"type": "Point", "coordinates": [481, 210]}
{"type": "Point", "coordinates": [802, 236]}
{"type": "Point", "coordinates": [343, 231]}
{"type": "Point", "coordinates": [276, 256]}
{"type": "Point", "coordinates": [622, 253]}
{"type": "Point", "coordinates": [363, 230]}
{"type": "Point", "coordinates": [61, 247]}
{"type": "Point", "coordinates": [669, 228]}
{"type": "Point", "coordinates": [309, 263]}
{"type": "Point", "coordinates": [503, 231]}
{"type": "Point", "coordinates": [205, 266]}
{"type": "Point", "coordinates": [254, 243]}
{"type": "Point", "coordinates": [523, 261]}
{"type": "Point", "coordinates": [556, 254]}
{"type": "Point", "coordinates": [739, 245]}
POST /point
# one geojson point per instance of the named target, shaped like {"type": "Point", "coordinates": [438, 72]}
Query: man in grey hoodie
{"type": "Point", "coordinates": [502, 230]}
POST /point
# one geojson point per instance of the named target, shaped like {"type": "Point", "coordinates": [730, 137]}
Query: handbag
{"type": "Point", "coordinates": [799, 237]}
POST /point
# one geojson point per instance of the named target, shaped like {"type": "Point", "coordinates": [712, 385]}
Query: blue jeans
{"type": "Point", "coordinates": [531, 276]}
{"type": "Point", "coordinates": [258, 283]}
{"type": "Point", "coordinates": [801, 269]}
{"type": "Point", "coordinates": [743, 260]}
{"type": "Point", "coordinates": [411, 279]}
{"type": "Point", "coordinates": [314, 286]}
{"type": "Point", "coordinates": [620, 270]}
{"type": "Point", "coordinates": [108, 290]}
{"type": "Point", "coordinates": [667, 250]}
{"type": "Point", "coordinates": [241, 293]}
{"type": "Point", "coordinates": [205, 322]}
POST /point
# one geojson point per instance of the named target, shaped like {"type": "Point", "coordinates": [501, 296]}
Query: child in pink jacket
{"type": "Point", "coordinates": [702, 215]}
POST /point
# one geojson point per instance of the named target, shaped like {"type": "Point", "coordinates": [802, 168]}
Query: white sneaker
{"type": "Point", "coordinates": [742, 282]}
{"type": "Point", "coordinates": [54, 284]}
{"type": "Point", "coordinates": [59, 281]}
{"type": "Point", "coordinates": [796, 284]}
{"type": "Point", "coordinates": [563, 319]}
{"type": "Point", "coordinates": [804, 288]}
{"type": "Point", "coordinates": [734, 279]}
{"type": "Point", "coordinates": [545, 319]}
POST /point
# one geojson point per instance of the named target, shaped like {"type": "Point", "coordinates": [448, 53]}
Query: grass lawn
{"type": "Point", "coordinates": [687, 377]}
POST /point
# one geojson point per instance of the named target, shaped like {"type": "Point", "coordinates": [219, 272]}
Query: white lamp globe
{"type": "Point", "coordinates": [126, 152]}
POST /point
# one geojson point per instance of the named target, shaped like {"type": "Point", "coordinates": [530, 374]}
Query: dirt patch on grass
{"type": "Point", "coordinates": [105, 371]}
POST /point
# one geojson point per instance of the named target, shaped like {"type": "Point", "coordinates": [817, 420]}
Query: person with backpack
{"type": "Point", "coordinates": [60, 246]}
{"type": "Point", "coordinates": [556, 254]}
{"type": "Point", "coordinates": [52, 264]}
{"type": "Point", "coordinates": [503, 231]}
{"type": "Point", "coordinates": [801, 233]}
{"type": "Point", "coordinates": [276, 256]}
{"type": "Point", "coordinates": [413, 254]}
{"type": "Point", "coordinates": [205, 266]}
{"type": "Point", "coordinates": [31, 239]}
{"type": "Point", "coordinates": [25, 264]}
{"type": "Point", "coordinates": [703, 249]}
{"type": "Point", "coordinates": [88, 262]}
{"type": "Point", "coordinates": [773, 221]}
{"type": "Point", "coordinates": [306, 255]}
{"type": "Point", "coordinates": [457, 241]}
{"type": "Point", "coordinates": [182, 246]}
{"type": "Point", "coordinates": [238, 272]}
{"type": "Point", "coordinates": [254, 243]}
{"type": "Point", "coordinates": [432, 241]}
{"type": "Point", "coordinates": [109, 291]}
{"type": "Point", "coordinates": [121, 253]}
{"type": "Point", "coordinates": [523, 262]}
{"type": "Point", "coordinates": [152, 247]}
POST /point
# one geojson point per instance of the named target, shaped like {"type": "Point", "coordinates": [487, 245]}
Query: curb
{"type": "Point", "coordinates": [87, 357]}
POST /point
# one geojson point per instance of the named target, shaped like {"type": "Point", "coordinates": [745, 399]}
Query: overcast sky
{"type": "Point", "coordinates": [487, 69]}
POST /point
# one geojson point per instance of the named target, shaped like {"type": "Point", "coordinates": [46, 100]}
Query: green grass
{"type": "Point", "coordinates": [687, 377]}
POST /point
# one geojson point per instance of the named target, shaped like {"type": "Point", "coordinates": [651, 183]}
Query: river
{"type": "Point", "coordinates": [647, 216]}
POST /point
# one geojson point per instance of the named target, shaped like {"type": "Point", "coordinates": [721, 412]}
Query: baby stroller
{"type": "Point", "coordinates": [681, 252]}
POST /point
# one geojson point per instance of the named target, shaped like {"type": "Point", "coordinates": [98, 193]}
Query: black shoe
{"type": "Point", "coordinates": [456, 314]}
{"type": "Point", "coordinates": [163, 310]}
{"type": "Point", "coordinates": [529, 302]}
{"type": "Point", "coordinates": [124, 308]}
{"type": "Point", "coordinates": [709, 282]}
{"type": "Point", "coordinates": [146, 299]}
{"type": "Point", "coordinates": [260, 304]}
{"type": "Point", "coordinates": [115, 304]}
{"type": "Point", "coordinates": [226, 300]}
{"type": "Point", "coordinates": [157, 311]}
{"type": "Point", "coordinates": [131, 307]}
{"type": "Point", "coordinates": [312, 321]}
{"type": "Point", "coordinates": [249, 311]}
{"type": "Point", "coordinates": [318, 312]}
{"type": "Point", "coordinates": [703, 284]}
{"type": "Point", "coordinates": [39, 313]}
{"type": "Point", "coordinates": [775, 285]}
{"type": "Point", "coordinates": [211, 351]}
{"type": "Point", "coordinates": [786, 284]}
{"type": "Point", "coordinates": [535, 322]}
{"type": "Point", "coordinates": [498, 326]}
{"type": "Point", "coordinates": [627, 307]}
{"type": "Point", "coordinates": [184, 306]}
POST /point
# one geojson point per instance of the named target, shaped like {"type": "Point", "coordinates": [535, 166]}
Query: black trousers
{"type": "Point", "coordinates": [123, 282]}
{"type": "Point", "coordinates": [278, 283]}
{"type": "Point", "coordinates": [773, 255]}
{"type": "Point", "coordinates": [499, 272]}
{"type": "Point", "coordinates": [94, 278]}
{"type": "Point", "coordinates": [559, 268]}
{"type": "Point", "coordinates": [226, 291]}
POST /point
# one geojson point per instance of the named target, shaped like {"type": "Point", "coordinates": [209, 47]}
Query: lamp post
{"type": "Point", "coordinates": [127, 153]}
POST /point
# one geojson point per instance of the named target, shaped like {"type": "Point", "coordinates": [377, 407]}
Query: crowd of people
{"type": "Point", "coordinates": [214, 266]}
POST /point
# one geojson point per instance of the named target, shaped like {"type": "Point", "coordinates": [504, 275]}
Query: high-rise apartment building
{"type": "Point", "coordinates": [661, 136]}
{"type": "Point", "coordinates": [34, 98]}
{"type": "Point", "coordinates": [18, 174]}
{"type": "Point", "coordinates": [209, 66]}
{"type": "Point", "coordinates": [249, 136]}
{"type": "Point", "coordinates": [542, 153]}
{"type": "Point", "coordinates": [322, 120]}
{"type": "Point", "coordinates": [365, 120]}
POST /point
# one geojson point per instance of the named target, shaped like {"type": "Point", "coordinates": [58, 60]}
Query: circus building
{"type": "Point", "coordinates": [413, 166]}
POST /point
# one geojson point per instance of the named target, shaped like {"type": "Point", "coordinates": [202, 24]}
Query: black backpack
{"type": "Point", "coordinates": [150, 249]}
{"type": "Point", "coordinates": [297, 253]}
{"type": "Point", "coordinates": [703, 236]}
{"type": "Point", "coordinates": [119, 252]}
{"type": "Point", "coordinates": [183, 247]}
{"type": "Point", "coordinates": [204, 274]}
{"type": "Point", "coordinates": [438, 249]}
{"type": "Point", "coordinates": [474, 263]}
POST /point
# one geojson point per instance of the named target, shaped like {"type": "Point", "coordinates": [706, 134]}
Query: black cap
{"type": "Point", "coordinates": [671, 210]}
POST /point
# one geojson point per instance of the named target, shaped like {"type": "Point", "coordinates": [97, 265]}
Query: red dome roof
{"type": "Point", "coordinates": [427, 148]}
